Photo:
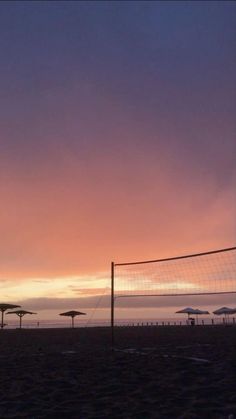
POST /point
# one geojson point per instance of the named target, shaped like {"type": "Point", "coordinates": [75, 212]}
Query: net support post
{"type": "Point", "coordinates": [112, 304]}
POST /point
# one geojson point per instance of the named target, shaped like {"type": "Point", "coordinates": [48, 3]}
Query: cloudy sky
{"type": "Point", "coordinates": [117, 139]}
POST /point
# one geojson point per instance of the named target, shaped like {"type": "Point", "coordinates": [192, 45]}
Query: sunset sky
{"type": "Point", "coordinates": [117, 140]}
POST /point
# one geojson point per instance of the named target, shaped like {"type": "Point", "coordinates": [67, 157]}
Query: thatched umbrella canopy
{"type": "Point", "coordinates": [20, 314]}
{"type": "Point", "coordinates": [72, 314]}
{"type": "Point", "coordinates": [3, 308]}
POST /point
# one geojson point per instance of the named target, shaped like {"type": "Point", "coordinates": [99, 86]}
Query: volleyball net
{"type": "Point", "coordinates": [212, 272]}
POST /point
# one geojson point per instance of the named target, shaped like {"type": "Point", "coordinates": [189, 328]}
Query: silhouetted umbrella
{"type": "Point", "coordinates": [192, 311]}
{"type": "Point", "coordinates": [20, 314]}
{"type": "Point", "coordinates": [197, 312]}
{"type": "Point", "coordinates": [224, 310]}
{"type": "Point", "coordinates": [3, 308]}
{"type": "Point", "coordinates": [72, 314]}
{"type": "Point", "coordinates": [187, 310]}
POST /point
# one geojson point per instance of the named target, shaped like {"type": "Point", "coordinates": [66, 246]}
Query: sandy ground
{"type": "Point", "coordinates": [155, 372]}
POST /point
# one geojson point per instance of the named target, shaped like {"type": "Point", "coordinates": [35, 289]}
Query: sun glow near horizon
{"type": "Point", "coordinates": [57, 287]}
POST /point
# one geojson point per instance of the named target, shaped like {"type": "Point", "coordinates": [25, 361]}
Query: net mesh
{"type": "Point", "coordinates": [206, 273]}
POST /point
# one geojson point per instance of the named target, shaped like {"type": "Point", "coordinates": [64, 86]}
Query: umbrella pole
{"type": "Point", "coordinates": [72, 322]}
{"type": "Point", "coordinates": [20, 321]}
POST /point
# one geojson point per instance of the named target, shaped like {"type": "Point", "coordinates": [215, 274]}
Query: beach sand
{"type": "Point", "coordinates": [164, 372]}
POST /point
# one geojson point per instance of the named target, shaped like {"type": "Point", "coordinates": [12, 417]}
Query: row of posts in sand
{"type": "Point", "coordinates": [188, 322]}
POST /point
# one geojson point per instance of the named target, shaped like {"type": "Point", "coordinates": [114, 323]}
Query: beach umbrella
{"type": "Point", "coordinates": [197, 312]}
{"type": "Point", "coordinates": [72, 314]}
{"type": "Point", "coordinates": [192, 311]}
{"type": "Point", "coordinates": [224, 310]}
{"type": "Point", "coordinates": [187, 310]}
{"type": "Point", "coordinates": [20, 314]}
{"type": "Point", "coordinates": [3, 308]}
